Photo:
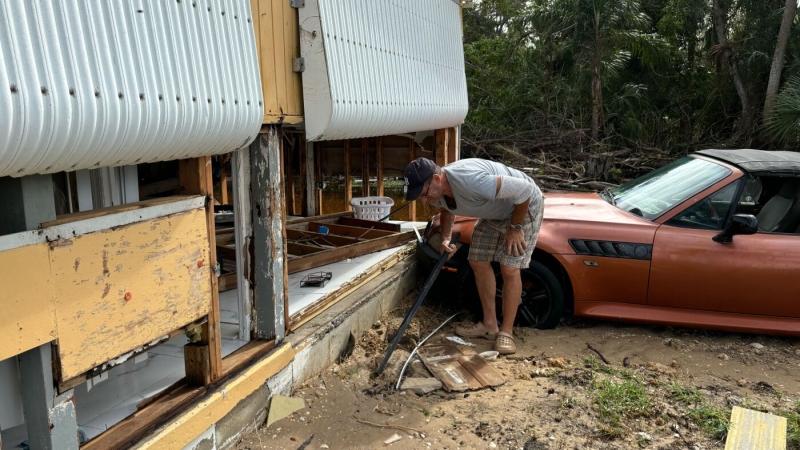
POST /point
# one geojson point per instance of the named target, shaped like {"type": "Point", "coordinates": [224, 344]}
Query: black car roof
{"type": "Point", "coordinates": [759, 162]}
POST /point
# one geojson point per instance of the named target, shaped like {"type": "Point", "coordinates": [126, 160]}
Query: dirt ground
{"type": "Point", "coordinates": [665, 388]}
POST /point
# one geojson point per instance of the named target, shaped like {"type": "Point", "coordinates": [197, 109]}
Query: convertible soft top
{"type": "Point", "coordinates": [759, 162]}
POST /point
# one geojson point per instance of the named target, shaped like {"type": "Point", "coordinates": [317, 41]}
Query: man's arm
{"type": "Point", "coordinates": [446, 220]}
{"type": "Point", "coordinates": [516, 190]}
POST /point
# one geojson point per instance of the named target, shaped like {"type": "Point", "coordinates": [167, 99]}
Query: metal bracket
{"type": "Point", "coordinates": [298, 64]}
{"type": "Point", "coordinates": [217, 270]}
{"type": "Point", "coordinates": [297, 3]}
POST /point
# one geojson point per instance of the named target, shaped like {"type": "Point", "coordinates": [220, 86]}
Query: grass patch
{"type": "Point", "coordinates": [792, 426]}
{"type": "Point", "coordinates": [685, 396]}
{"type": "Point", "coordinates": [618, 403]}
{"type": "Point", "coordinates": [711, 419]}
{"type": "Point", "coordinates": [591, 362]}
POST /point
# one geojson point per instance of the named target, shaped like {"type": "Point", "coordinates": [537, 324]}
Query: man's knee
{"type": "Point", "coordinates": [509, 272]}
{"type": "Point", "coordinates": [480, 265]}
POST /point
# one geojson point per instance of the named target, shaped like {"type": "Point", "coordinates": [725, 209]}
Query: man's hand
{"type": "Point", "coordinates": [515, 242]}
{"type": "Point", "coordinates": [447, 247]}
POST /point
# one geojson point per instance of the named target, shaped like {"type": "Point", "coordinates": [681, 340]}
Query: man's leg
{"type": "Point", "coordinates": [487, 289]}
{"type": "Point", "coordinates": [512, 294]}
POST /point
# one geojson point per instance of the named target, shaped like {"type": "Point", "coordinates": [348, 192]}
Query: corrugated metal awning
{"type": "Point", "coordinates": [380, 67]}
{"type": "Point", "coordinates": [88, 84]}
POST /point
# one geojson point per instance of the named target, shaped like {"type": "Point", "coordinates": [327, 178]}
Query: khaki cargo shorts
{"type": "Point", "coordinates": [488, 237]}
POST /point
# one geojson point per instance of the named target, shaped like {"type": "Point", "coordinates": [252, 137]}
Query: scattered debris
{"type": "Point", "coordinates": [723, 357]}
{"type": "Point", "coordinates": [598, 353]}
{"type": "Point", "coordinates": [489, 355]}
{"type": "Point", "coordinates": [395, 437]}
{"type": "Point", "coordinates": [644, 436]}
{"type": "Point", "coordinates": [557, 362]}
{"type": "Point", "coordinates": [459, 341]}
{"type": "Point", "coordinates": [396, 427]}
{"type": "Point", "coordinates": [458, 372]}
{"type": "Point", "coordinates": [662, 369]}
{"type": "Point", "coordinates": [305, 443]}
{"type": "Point", "coordinates": [757, 346]}
{"type": "Point", "coordinates": [626, 362]}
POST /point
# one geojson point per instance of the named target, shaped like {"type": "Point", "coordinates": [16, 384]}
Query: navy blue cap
{"type": "Point", "coordinates": [418, 172]}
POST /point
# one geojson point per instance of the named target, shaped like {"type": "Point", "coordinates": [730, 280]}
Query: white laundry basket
{"type": "Point", "coordinates": [371, 208]}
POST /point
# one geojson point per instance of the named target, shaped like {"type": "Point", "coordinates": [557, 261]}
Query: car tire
{"type": "Point", "coordinates": [542, 297]}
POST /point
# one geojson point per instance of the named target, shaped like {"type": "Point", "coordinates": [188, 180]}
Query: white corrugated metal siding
{"type": "Point", "coordinates": [87, 83]}
{"type": "Point", "coordinates": [379, 67]}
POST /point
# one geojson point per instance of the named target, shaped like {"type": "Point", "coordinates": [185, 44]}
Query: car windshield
{"type": "Point", "coordinates": [652, 195]}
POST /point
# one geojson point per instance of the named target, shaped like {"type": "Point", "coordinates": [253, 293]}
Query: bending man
{"type": "Point", "coordinates": [509, 207]}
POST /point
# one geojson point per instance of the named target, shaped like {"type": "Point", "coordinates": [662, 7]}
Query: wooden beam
{"type": "Point", "coordinates": [412, 155]}
{"type": "Point", "coordinates": [302, 249]}
{"type": "Point", "coordinates": [228, 281]}
{"type": "Point", "coordinates": [441, 146]}
{"type": "Point", "coordinates": [379, 164]}
{"type": "Point", "coordinates": [309, 169]}
{"type": "Point", "coordinates": [325, 217]}
{"type": "Point", "coordinates": [288, 169]}
{"type": "Point", "coordinates": [198, 364]}
{"type": "Point", "coordinates": [452, 145]}
{"type": "Point", "coordinates": [268, 236]}
{"type": "Point", "coordinates": [243, 228]}
{"type": "Point", "coordinates": [348, 182]}
{"type": "Point", "coordinates": [365, 167]}
{"type": "Point", "coordinates": [319, 180]}
{"type": "Point", "coordinates": [349, 251]}
{"type": "Point", "coordinates": [196, 179]}
{"type": "Point", "coordinates": [223, 185]}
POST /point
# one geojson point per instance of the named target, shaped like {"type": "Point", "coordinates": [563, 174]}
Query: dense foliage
{"type": "Point", "coordinates": [609, 76]}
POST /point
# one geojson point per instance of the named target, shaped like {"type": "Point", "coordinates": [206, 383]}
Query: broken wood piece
{"type": "Point", "coordinates": [281, 407]}
{"type": "Point", "coordinates": [753, 430]}
{"type": "Point", "coordinates": [421, 386]}
{"type": "Point", "coordinates": [598, 353]}
{"type": "Point", "coordinates": [395, 437]}
{"type": "Point", "coordinates": [198, 364]}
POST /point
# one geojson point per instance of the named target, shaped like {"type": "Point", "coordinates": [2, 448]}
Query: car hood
{"type": "Point", "coordinates": [586, 207]}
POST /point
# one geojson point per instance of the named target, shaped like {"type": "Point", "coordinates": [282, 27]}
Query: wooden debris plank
{"type": "Point", "coordinates": [344, 230]}
{"type": "Point", "coordinates": [349, 251]}
{"type": "Point", "coordinates": [753, 430]}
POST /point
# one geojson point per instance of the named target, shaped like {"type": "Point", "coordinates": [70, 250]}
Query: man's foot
{"type": "Point", "coordinates": [504, 344]}
{"type": "Point", "coordinates": [476, 330]}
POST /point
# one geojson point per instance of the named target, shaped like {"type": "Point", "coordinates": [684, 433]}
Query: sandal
{"type": "Point", "coordinates": [476, 330]}
{"type": "Point", "coordinates": [504, 344]}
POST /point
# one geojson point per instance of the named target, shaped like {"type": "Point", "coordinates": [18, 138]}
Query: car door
{"type": "Point", "coordinates": [755, 274]}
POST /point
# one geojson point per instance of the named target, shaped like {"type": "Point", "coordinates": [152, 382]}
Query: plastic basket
{"type": "Point", "coordinates": [371, 208]}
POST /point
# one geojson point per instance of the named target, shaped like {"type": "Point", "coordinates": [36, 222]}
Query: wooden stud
{"type": "Point", "coordinates": [441, 146]}
{"type": "Point", "coordinates": [196, 179]}
{"type": "Point", "coordinates": [308, 167]}
{"type": "Point", "coordinates": [198, 364]}
{"type": "Point", "coordinates": [365, 167]}
{"type": "Point", "coordinates": [288, 168]}
{"type": "Point", "coordinates": [303, 175]}
{"type": "Point", "coordinates": [452, 144]}
{"type": "Point", "coordinates": [223, 185]}
{"type": "Point", "coordinates": [348, 182]}
{"type": "Point", "coordinates": [379, 164]}
{"type": "Point", "coordinates": [285, 251]}
{"type": "Point", "coordinates": [412, 155]}
{"type": "Point", "coordinates": [319, 179]}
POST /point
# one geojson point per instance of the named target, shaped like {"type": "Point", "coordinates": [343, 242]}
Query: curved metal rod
{"type": "Point", "coordinates": [413, 352]}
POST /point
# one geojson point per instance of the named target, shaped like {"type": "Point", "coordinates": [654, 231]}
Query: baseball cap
{"type": "Point", "coordinates": [418, 172]}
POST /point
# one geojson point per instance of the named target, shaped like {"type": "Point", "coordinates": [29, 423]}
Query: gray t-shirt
{"type": "Point", "coordinates": [474, 184]}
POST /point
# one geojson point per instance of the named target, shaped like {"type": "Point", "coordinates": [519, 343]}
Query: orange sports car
{"type": "Point", "coordinates": [711, 240]}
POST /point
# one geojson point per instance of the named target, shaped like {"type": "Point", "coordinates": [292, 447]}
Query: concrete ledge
{"type": "Point", "coordinates": [217, 421]}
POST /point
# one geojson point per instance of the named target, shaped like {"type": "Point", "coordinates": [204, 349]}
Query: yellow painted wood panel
{"type": "Point", "coordinates": [278, 42]}
{"type": "Point", "coordinates": [25, 300]}
{"type": "Point", "coordinates": [754, 430]}
{"type": "Point", "coordinates": [118, 289]}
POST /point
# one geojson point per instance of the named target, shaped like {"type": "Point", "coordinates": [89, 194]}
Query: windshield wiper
{"type": "Point", "coordinates": [609, 196]}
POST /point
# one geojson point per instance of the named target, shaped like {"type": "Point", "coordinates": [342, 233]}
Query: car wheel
{"type": "Point", "coordinates": [542, 302]}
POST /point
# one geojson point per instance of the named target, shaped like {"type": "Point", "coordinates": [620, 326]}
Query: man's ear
{"type": "Point", "coordinates": [437, 178]}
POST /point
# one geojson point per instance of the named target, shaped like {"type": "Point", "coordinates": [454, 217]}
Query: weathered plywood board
{"type": "Point", "coordinates": [277, 42]}
{"type": "Point", "coordinates": [124, 287]}
{"type": "Point", "coordinates": [25, 294]}
{"type": "Point", "coordinates": [753, 430]}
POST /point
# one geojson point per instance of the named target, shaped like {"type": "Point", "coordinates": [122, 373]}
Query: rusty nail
{"type": "Point", "coordinates": [128, 296]}
{"type": "Point", "coordinates": [200, 263]}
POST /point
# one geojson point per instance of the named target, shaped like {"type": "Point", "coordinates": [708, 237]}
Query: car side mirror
{"type": "Point", "coordinates": [740, 224]}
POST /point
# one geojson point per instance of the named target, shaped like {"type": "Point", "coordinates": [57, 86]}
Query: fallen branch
{"type": "Point", "coordinates": [598, 353]}
{"type": "Point", "coordinates": [397, 427]}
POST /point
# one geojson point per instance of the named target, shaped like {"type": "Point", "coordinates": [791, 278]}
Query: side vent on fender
{"type": "Point", "coordinates": [626, 250]}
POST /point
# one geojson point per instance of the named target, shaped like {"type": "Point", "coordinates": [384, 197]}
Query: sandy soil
{"type": "Point", "coordinates": [674, 391]}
